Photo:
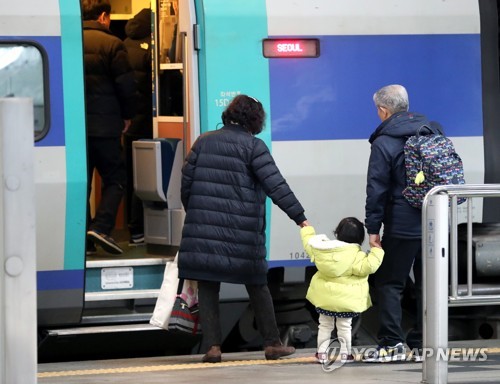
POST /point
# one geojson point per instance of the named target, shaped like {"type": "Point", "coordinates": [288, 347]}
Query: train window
{"type": "Point", "coordinates": [21, 75]}
{"type": "Point", "coordinates": [294, 48]}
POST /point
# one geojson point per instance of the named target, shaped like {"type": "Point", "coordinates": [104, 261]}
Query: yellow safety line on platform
{"type": "Point", "coordinates": [177, 367]}
{"type": "Point", "coordinates": [173, 367]}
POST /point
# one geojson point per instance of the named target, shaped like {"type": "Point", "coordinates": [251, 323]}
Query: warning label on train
{"type": "Point", "coordinates": [117, 278]}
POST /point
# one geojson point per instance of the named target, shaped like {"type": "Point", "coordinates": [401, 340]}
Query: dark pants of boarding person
{"type": "Point", "coordinates": [105, 155]}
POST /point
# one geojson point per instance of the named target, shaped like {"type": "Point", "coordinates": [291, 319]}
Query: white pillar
{"type": "Point", "coordinates": [435, 289]}
{"type": "Point", "coordinates": [18, 325]}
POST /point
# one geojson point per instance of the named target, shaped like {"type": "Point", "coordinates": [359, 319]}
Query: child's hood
{"type": "Point", "coordinates": [323, 242]}
{"type": "Point", "coordinates": [332, 257]}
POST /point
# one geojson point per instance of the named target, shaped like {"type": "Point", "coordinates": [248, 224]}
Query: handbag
{"type": "Point", "coordinates": [185, 313]}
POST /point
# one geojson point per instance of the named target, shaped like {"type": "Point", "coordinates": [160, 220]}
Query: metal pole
{"type": "Point", "coordinates": [18, 335]}
{"type": "Point", "coordinates": [454, 247]}
{"type": "Point", "coordinates": [435, 290]}
{"type": "Point", "coordinates": [469, 247]}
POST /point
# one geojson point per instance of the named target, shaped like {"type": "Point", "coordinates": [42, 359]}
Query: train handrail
{"type": "Point", "coordinates": [440, 214]}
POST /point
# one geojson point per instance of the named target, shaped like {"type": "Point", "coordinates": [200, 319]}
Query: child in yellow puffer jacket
{"type": "Point", "coordinates": [339, 290]}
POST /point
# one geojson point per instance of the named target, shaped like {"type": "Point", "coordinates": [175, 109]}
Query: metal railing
{"type": "Point", "coordinates": [440, 234]}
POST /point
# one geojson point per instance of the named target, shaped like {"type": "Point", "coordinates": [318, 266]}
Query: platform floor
{"type": "Point", "coordinates": [250, 367]}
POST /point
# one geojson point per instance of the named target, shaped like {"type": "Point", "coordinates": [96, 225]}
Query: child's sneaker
{"type": "Point", "coordinates": [385, 354]}
{"type": "Point", "coordinates": [347, 358]}
{"type": "Point", "coordinates": [90, 249]}
{"type": "Point", "coordinates": [322, 357]}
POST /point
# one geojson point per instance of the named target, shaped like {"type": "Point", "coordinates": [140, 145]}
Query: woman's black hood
{"type": "Point", "coordinates": [139, 26]}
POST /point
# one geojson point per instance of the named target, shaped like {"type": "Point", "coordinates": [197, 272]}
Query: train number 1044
{"type": "Point", "coordinates": [298, 255]}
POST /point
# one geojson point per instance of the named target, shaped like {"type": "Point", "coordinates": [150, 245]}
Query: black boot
{"type": "Point", "coordinates": [213, 355]}
{"type": "Point", "coordinates": [274, 352]}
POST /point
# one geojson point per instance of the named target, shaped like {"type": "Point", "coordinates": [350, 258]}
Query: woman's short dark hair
{"type": "Point", "coordinates": [92, 9]}
{"type": "Point", "coordinates": [350, 230]}
{"type": "Point", "coordinates": [247, 112]}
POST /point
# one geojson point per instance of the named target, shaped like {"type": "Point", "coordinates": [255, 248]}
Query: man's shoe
{"type": "Point", "coordinates": [416, 355]}
{"type": "Point", "coordinates": [136, 240]}
{"type": "Point", "coordinates": [106, 242]}
{"type": "Point", "coordinates": [90, 249]}
{"type": "Point", "coordinates": [213, 355]}
{"type": "Point", "coordinates": [275, 352]}
{"type": "Point", "coordinates": [385, 354]}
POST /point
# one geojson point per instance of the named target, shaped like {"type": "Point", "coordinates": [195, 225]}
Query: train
{"type": "Point", "coordinates": [313, 64]}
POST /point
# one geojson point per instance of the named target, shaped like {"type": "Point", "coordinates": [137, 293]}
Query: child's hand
{"type": "Point", "coordinates": [304, 224]}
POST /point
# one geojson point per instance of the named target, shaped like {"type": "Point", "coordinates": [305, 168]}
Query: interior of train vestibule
{"type": "Point", "coordinates": [167, 75]}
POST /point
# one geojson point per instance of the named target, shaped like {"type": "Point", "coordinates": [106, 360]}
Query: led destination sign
{"type": "Point", "coordinates": [282, 48]}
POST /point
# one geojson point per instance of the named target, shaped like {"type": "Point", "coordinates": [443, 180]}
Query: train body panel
{"type": "Point", "coordinates": [53, 29]}
{"type": "Point", "coordinates": [30, 18]}
{"type": "Point", "coordinates": [365, 17]}
{"type": "Point", "coordinates": [51, 187]}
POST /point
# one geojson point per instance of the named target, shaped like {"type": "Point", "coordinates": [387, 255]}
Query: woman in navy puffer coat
{"type": "Point", "coordinates": [225, 180]}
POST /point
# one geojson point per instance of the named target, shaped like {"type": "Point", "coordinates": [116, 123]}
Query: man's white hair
{"type": "Point", "coordinates": [393, 97]}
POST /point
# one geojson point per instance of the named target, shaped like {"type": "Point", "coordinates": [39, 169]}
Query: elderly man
{"type": "Point", "coordinates": [402, 225]}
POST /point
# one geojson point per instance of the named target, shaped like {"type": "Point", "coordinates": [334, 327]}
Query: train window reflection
{"type": "Point", "coordinates": [21, 75]}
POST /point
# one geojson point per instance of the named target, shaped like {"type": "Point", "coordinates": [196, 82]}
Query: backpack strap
{"type": "Point", "coordinates": [438, 129]}
{"type": "Point", "coordinates": [433, 128]}
{"type": "Point", "coordinates": [424, 130]}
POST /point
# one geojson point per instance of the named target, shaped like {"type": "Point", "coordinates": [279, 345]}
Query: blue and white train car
{"type": "Point", "coordinates": [313, 64]}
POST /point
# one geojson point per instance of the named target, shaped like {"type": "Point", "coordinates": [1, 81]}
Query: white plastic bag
{"type": "Point", "coordinates": [166, 296]}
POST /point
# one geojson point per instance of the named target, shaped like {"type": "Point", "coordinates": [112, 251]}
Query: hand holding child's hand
{"type": "Point", "coordinates": [375, 241]}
